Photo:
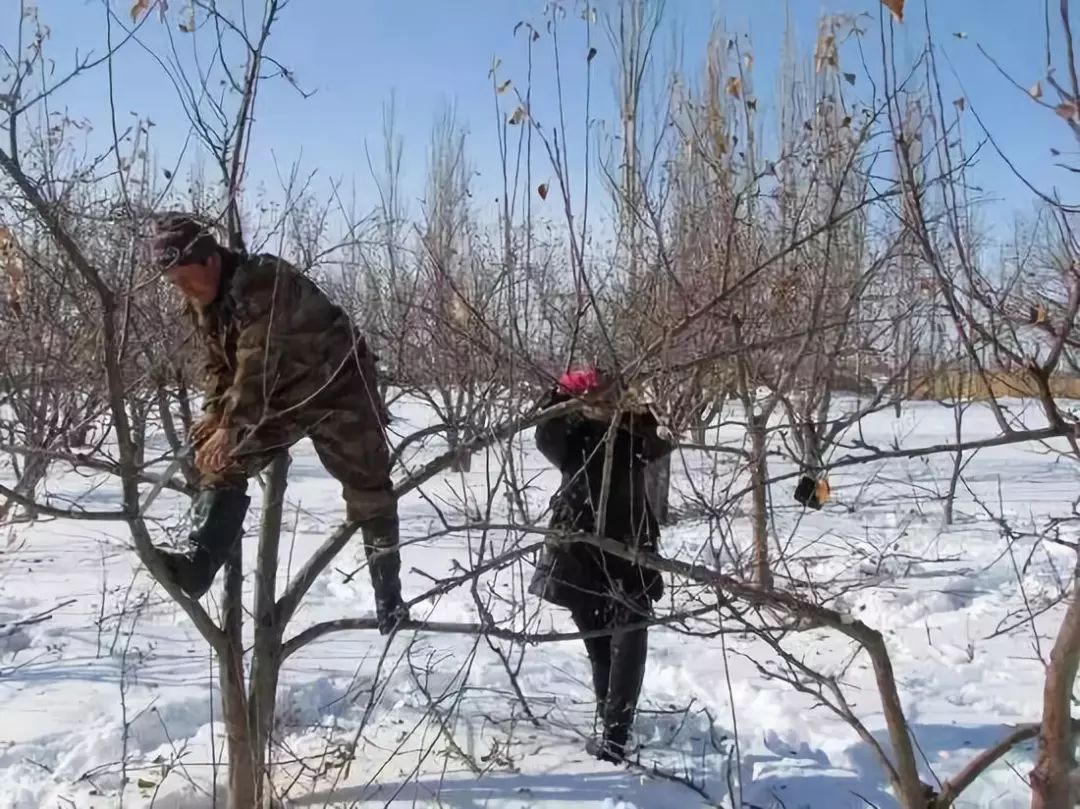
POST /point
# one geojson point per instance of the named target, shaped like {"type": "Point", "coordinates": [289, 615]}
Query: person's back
{"type": "Point", "coordinates": [628, 515]}
{"type": "Point", "coordinates": [275, 330]}
{"type": "Point", "coordinates": [604, 592]}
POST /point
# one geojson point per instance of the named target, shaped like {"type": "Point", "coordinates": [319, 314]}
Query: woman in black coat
{"type": "Point", "coordinates": [602, 592]}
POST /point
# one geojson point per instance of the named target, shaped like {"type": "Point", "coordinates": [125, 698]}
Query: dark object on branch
{"type": "Point", "coordinates": [812, 492]}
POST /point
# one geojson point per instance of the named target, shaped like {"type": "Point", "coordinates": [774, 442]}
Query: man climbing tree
{"type": "Point", "coordinates": [282, 362]}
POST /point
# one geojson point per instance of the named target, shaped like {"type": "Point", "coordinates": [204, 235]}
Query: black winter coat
{"type": "Point", "coordinates": [575, 444]}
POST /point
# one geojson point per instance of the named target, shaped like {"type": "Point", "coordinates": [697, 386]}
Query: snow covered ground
{"type": "Point", "coordinates": [115, 682]}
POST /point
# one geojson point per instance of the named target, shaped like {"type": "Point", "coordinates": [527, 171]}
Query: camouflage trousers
{"type": "Point", "coordinates": [346, 427]}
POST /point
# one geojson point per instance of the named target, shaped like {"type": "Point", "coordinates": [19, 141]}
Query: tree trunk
{"type": "Point", "coordinates": [266, 653]}
{"type": "Point", "coordinates": [658, 488]}
{"type": "Point", "coordinates": [699, 432]}
{"type": "Point", "coordinates": [759, 476]}
{"type": "Point", "coordinates": [1051, 786]}
{"type": "Point", "coordinates": [958, 464]}
{"type": "Point", "coordinates": [954, 480]}
{"type": "Point", "coordinates": [35, 467]}
{"type": "Point", "coordinates": [912, 791]}
{"type": "Point", "coordinates": [242, 780]}
{"type": "Point", "coordinates": [462, 459]}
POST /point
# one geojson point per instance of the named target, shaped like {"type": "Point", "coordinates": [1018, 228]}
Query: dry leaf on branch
{"type": "Point", "coordinates": [542, 190]}
{"type": "Point", "coordinates": [850, 78]}
{"type": "Point", "coordinates": [734, 87]}
{"type": "Point", "coordinates": [896, 7]}
{"type": "Point", "coordinates": [960, 103]}
{"type": "Point", "coordinates": [1035, 91]}
{"type": "Point", "coordinates": [502, 88]}
{"type": "Point", "coordinates": [592, 53]}
{"type": "Point", "coordinates": [137, 9]}
{"type": "Point", "coordinates": [518, 116]}
{"type": "Point", "coordinates": [1066, 110]}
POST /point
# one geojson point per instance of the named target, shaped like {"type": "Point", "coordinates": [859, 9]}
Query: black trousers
{"type": "Point", "coordinates": [617, 660]}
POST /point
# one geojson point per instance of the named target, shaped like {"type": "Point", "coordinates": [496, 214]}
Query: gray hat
{"type": "Point", "coordinates": [180, 238]}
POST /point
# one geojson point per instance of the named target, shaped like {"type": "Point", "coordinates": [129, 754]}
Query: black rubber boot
{"type": "Point", "coordinates": [628, 653]}
{"type": "Point", "coordinates": [590, 615]}
{"type": "Point", "coordinates": [384, 563]}
{"type": "Point", "coordinates": [218, 526]}
{"type": "Point", "coordinates": [599, 651]}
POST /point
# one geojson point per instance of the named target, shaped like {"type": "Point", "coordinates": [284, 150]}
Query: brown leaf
{"type": "Point", "coordinates": [137, 9]}
{"type": "Point", "coordinates": [1066, 110]}
{"type": "Point", "coordinates": [896, 7]}
{"type": "Point", "coordinates": [960, 103]}
{"type": "Point", "coordinates": [542, 190]}
{"type": "Point", "coordinates": [734, 87]}
{"type": "Point", "coordinates": [1035, 91]}
{"type": "Point", "coordinates": [960, 34]}
{"type": "Point", "coordinates": [518, 116]}
{"type": "Point", "coordinates": [502, 88]}
{"type": "Point", "coordinates": [751, 103]}
{"type": "Point", "coordinates": [850, 78]}
{"type": "Point", "coordinates": [592, 53]}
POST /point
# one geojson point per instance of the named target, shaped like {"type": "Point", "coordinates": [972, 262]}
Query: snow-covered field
{"type": "Point", "coordinates": [116, 681]}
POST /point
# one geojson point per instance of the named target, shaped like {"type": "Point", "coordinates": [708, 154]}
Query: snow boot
{"type": "Point", "coordinates": [628, 652]}
{"type": "Point", "coordinates": [384, 564]}
{"type": "Point", "coordinates": [218, 526]}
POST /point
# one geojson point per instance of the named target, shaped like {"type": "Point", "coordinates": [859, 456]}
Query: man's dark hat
{"type": "Point", "coordinates": [180, 238]}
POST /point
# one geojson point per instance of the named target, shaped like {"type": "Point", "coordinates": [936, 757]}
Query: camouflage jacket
{"type": "Point", "coordinates": [273, 343]}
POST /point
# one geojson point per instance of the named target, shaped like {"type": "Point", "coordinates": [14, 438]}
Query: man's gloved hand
{"type": "Point", "coordinates": [215, 453]}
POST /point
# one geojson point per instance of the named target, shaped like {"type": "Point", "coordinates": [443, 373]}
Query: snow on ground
{"type": "Point", "coordinates": [443, 724]}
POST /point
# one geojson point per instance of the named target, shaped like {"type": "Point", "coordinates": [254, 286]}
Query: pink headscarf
{"type": "Point", "coordinates": [579, 381]}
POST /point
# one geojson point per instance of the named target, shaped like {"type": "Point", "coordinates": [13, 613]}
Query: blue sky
{"type": "Point", "coordinates": [429, 53]}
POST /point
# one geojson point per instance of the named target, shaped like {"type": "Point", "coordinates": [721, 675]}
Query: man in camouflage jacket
{"type": "Point", "coordinates": [282, 363]}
